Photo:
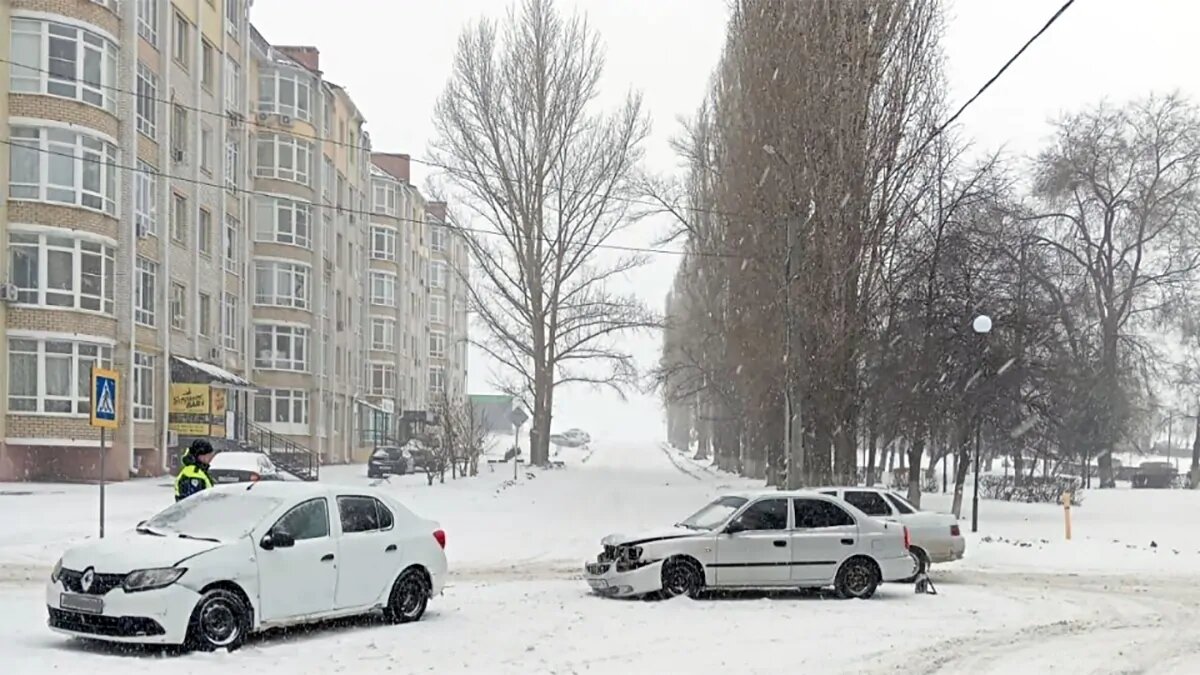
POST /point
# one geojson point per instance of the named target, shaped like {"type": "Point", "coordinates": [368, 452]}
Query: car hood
{"type": "Point", "coordinates": [635, 538]}
{"type": "Point", "coordinates": [131, 550]}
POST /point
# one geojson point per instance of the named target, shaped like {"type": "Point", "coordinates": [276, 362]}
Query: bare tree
{"type": "Point", "coordinates": [545, 179]}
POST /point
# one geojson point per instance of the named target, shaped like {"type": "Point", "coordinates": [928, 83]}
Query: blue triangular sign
{"type": "Point", "coordinates": [106, 406]}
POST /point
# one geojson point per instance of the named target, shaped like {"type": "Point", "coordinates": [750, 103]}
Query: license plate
{"type": "Point", "coordinates": [88, 604]}
{"type": "Point", "coordinates": [597, 583]}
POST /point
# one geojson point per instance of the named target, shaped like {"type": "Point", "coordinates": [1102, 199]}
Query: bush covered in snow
{"type": "Point", "coordinates": [898, 480]}
{"type": "Point", "coordinates": [1033, 490]}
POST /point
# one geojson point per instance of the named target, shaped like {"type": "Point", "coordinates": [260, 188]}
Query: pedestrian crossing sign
{"type": "Point", "coordinates": [104, 398]}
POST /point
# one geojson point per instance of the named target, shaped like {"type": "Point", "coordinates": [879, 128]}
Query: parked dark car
{"type": "Point", "coordinates": [243, 467]}
{"type": "Point", "coordinates": [421, 456]}
{"type": "Point", "coordinates": [389, 460]}
{"type": "Point", "coordinates": [1155, 475]}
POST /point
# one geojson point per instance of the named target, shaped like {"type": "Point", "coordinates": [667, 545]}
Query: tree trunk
{"type": "Point", "coordinates": [872, 447]}
{"type": "Point", "coordinates": [915, 454]}
{"type": "Point", "coordinates": [962, 461]}
{"type": "Point", "coordinates": [1195, 471]}
{"type": "Point", "coordinates": [1019, 468]}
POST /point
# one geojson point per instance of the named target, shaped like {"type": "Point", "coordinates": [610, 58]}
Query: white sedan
{"type": "Point", "coordinates": [936, 537]}
{"type": "Point", "coordinates": [757, 540]}
{"type": "Point", "coordinates": [237, 559]}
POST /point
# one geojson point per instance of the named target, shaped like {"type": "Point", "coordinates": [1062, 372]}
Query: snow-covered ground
{"type": "Point", "coordinates": [1024, 598]}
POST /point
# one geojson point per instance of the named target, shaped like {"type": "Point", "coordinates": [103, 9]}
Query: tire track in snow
{"type": "Point", "coordinates": [674, 462]}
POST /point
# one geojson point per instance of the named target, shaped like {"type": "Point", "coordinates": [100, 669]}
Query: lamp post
{"type": "Point", "coordinates": [982, 325]}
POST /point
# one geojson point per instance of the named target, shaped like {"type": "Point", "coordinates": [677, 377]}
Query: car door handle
{"type": "Point", "coordinates": [327, 557]}
{"type": "Point", "coordinates": [390, 549]}
{"type": "Point", "coordinates": [780, 543]}
{"type": "Point", "coordinates": [848, 542]}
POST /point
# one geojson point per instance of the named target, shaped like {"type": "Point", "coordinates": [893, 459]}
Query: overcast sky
{"type": "Point", "coordinates": [393, 56]}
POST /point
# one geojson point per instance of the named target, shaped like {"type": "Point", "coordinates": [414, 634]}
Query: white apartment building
{"type": "Point", "coordinates": [190, 206]}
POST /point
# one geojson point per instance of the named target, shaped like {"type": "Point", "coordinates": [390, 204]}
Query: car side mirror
{"type": "Point", "coordinates": [275, 540]}
{"type": "Point", "coordinates": [735, 527]}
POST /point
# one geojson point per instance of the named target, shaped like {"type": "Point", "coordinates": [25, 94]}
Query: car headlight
{"type": "Point", "coordinates": [148, 580]}
{"type": "Point", "coordinates": [56, 573]}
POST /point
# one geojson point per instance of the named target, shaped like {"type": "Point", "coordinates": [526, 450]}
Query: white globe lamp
{"type": "Point", "coordinates": [982, 324]}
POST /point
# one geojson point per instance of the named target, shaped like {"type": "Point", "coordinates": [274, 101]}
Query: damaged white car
{"type": "Point", "coordinates": [757, 540]}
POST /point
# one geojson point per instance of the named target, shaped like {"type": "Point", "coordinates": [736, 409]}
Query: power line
{"type": "Point", "coordinates": [353, 211]}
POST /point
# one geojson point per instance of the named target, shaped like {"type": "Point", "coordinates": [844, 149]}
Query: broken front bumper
{"type": "Point", "coordinates": [604, 579]}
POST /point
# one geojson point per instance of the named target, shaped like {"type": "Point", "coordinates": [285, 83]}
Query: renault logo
{"type": "Point", "coordinates": [85, 581]}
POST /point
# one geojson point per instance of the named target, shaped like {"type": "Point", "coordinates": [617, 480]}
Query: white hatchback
{"type": "Point", "coordinates": [757, 540]}
{"type": "Point", "coordinates": [237, 559]}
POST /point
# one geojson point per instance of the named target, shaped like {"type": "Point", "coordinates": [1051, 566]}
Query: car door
{"type": "Point", "coordinates": [299, 580]}
{"type": "Point", "coordinates": [760, 554]}
{"type": "Point", "coordinates": [823, 535]}
{"type": "Point", "coordinates": [368, 551]}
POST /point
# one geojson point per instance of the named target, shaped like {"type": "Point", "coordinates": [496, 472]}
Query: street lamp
{"type": "Point", "coordinates": [982, 325]}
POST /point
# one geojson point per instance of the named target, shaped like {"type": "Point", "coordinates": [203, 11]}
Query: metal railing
{"type": "Point", "coordinates": [287, 454]}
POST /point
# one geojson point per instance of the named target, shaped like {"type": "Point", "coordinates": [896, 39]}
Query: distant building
{"type": "Point", "coordinates": [492, 411]}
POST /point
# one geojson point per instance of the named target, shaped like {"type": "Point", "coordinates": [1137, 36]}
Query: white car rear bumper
{"type": "Point", "coordinates": [604, 579]}
{"type": "Point", "coordinates": [145, 617]}
{"type": "Point", "coordinates": [897, 569]}
{"type": "Point", "coordinates": [947, 550]}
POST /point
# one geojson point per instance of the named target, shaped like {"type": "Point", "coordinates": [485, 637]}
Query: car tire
{"type": "Point", "coordinates": [221, 620]}
{"type": "Point", "coordinates": [409, 598]}
{"type": "Point", "coordinates": [857, 578]}
{"type": "Point", "coordinates": [922, 564]}
{"type": "Point", "coordinates": [681, 576]}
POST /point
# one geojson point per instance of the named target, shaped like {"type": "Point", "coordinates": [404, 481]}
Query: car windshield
{"type": "Point", "coordinates": [213, 514]}
{"type": "Point", "coordinates": [714, 514]}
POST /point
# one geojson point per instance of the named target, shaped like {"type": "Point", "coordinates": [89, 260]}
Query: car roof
{"type": "Point", "coordinates": [871, 488]}
{"type": "Point", "coordinates": [302, 489]}
{"type": "Point", "coordinates": [767, 492]}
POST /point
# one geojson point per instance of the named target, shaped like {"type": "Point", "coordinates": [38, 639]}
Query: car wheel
{"type": "Point", "coordinates": [858, 578]}
{"type": "Point", "coordinates": [681, 576]}
{"type": "Point", "coordinates": [410, 597]}
{"type": "Point", "coordinates": [221, 620]}
{"type": "Point", "coordinates": [922, 564]}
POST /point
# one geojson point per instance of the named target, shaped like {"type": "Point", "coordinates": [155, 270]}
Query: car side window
{"type": "Point", "coordinates": [765, 514]}
{"type": "Point", "coordinates": [870, 503]}
{"type": "Point", "coordinates": [309, 520]}
{"type": "Point", "coordinates": [358, 514]}
{"type": "Point", "coordinates": [386, 519]}
{"type": "Point", "coordinates": [813, 514]}
{"type": "Point", "coordinates": [900, 504]}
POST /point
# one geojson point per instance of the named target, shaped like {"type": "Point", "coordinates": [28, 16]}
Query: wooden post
{"type": "Point", "coordinates": [1066, 502]}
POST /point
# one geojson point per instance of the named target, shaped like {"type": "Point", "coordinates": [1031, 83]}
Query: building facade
{"type": "Point", "coordinates": [194, 208]}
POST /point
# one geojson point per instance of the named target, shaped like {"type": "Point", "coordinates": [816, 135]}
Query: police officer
{"type": "Point", "coordinates": [193, 475]}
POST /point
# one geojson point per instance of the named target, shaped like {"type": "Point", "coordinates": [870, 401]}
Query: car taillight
{"type": "Point", "coordinates": [954, 531]}
{"type": "Point", "coordinates": [254, 477]}
{"type": "Point", "coordinates": [907, 539]}
{"type": "Point", "coordinates": [440, 536]}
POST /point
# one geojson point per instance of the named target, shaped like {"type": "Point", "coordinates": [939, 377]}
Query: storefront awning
{"type": "Point", "coordinates": [198, 372]}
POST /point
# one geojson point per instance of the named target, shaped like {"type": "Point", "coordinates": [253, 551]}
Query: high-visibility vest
{"type": "Point", "coordinates": [190, 472]}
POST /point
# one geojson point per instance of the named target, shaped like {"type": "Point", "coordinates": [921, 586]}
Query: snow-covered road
{"type": "Point", "coordinates": [515, 603]}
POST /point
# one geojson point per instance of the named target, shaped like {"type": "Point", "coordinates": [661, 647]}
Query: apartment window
{"type": "Point", "coordinates": [283, 221]}
{"type": "Point", "coordinates": [178, 306]}
{"type": "Point", "coordinates": [179, 132]}
{"type": "Point", "coordinates": [282, 407]}
{"type": "Point", "coordinates": [338, 250]}
{"type": "Point", "coordinates": [145, 199]}
{"type": "Point", "coordinates": [383, 334]}
{"type": "Point", "coordinates": [437, 380]}
{"type": "Point", "coordinates": [437, 344]}
{"type": "Point", "coordinates": [383, 243]}
{"type": "Point", "coordinates": [64, 167]}
{"type": "Point", "coordinates": [285, 92]}
{"type": "Point", "coordinates": [437, 274]}
{"type": "Point", "coordinates": [57, 270]}
{"type": "Point", "coordinates": [143, 387]}
{"type": "Point", "coordinates": [63, 60]}
{"type": "Point", "coordinates": [144, 291]}
{"type": "Point", "coordinates": [437, 238]}
{"type": "Point", "coordinates": [147, 101]}
{"type": "Point", "coordinates": [233, 162]}
{"type": "Point", "coordinates": [327, 122]}
{"type": "Point", "coordinates": [280, 347]}
{"type": "Point", "coordinates": [147, 20]}
{"type": "Point", "coordinates": [180, 35]}
{"type": "Point", "coordinates": [206, 149]}
{"type": "Point", "coordinates": [230, 239]}
{"type": "Point", "coordinates": [382, 380]}
{"type": "Point", "coordinates": [383, 289]}
{"type": "Point", "coordinates": [179, 218]}
{"type": "Point", "coordinates": [281, 284]}
{"type": "Point", "coordinates": [284, 158]}
{"type": "Point", "coordinates": [52, 377]}
{"type": "Point", "coordinates": [207, 65]}
{"type": "Point", "coordinates": [327, 180]}
{"type": "Point", "coordinates": [204, 314]}
{"type": "Point", "coordinates": [233, 16]}
{"type": "Point", "coordinates": [204, 232]}
{"type": "Point", "coordinates": [229, 321]}
{"type": "Point", "coordinates": [437, 309]}
{"type": "Point", "coordinates": [233, 83]}
{"type": "Point", "coordinates": [384, 198]}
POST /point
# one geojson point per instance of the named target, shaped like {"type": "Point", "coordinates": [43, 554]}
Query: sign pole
{"type": "Point", "coordinates": [103, 452]}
